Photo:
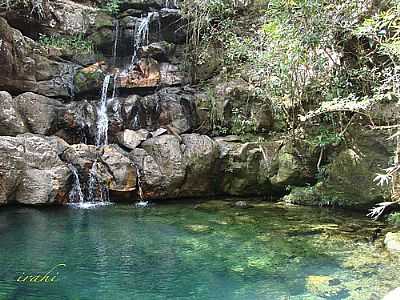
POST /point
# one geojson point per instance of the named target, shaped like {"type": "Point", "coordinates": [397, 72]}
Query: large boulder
{"type": "Point", "coordinates": [53, 17]}
{"type": "Point", "coordinates": [246, 168]}
{"type": "Point", "coordinates": [11, 122]}
{"type": "Point", "coordinates": [31, 171]}
{"type": "Point", "coordinates": [237, 101]}
{"type": "Point", "coordinates": [23, 68]}
{"type": "Point", "coordinates": [149, 73]}
{"type": "Point", "coordinates": [162, 168]}
{"type": "Point", "coordinates": [392, 242]}
{"type": "Point", "coordinates": [89, 79]}
{"type": "Point", "coordinates": [121, 168]}
{"type": "Point", "coordinates": [348, 179]}
{"type": "Point", "coordinates": [40, 114]}
{"type": "Point", "coordinates": [172, 167]}
{"type": "Point", "coordinates": [131, 138]}
{"type": "Point", "coordinates": [296, 164]}
{"type": "Point", "coordinates": [170, 108]}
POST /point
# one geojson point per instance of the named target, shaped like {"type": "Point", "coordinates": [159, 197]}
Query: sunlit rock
{"type": "Point", "coordinates": [392, 242]}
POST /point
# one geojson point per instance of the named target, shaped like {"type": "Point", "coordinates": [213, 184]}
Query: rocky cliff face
{"type": "Point", "coordinates": [51, 113]}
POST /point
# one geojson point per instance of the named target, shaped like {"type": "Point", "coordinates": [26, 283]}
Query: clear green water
{"type": "Point", "coordinates": [173, 251]}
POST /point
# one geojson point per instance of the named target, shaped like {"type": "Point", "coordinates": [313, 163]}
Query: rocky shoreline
{"type": "Point", "coordinates": [159, 140]}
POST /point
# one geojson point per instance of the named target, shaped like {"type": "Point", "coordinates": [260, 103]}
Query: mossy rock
{"type": "Point", "coordinates": [89, 79]}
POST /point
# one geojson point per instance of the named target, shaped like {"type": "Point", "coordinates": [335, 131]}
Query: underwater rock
{"type": "Point", "coordinates": [325, 286]}
{"type": "Point", "coordinates": [31, 171]}
{"type": "Point", "coordinates": [392, 242]}
{"type": "Point", "coordinates": [212, 205]}
{"type": "Point", "coordinates": [197, 228]}
{"type": "Point", "coordinates": [242, 204]}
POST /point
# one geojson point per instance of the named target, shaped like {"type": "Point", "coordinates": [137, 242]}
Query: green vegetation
{"type": "Point", "coordinates": [394, 219]}
{"type": "Point", "coordinates": [74, 44]}
{"type": "Point", "coordinates": [36, 7]}
{"type": "Point", "coordinates": [111, 7]}
{"type": "Point", "coordinates": [320, 65]}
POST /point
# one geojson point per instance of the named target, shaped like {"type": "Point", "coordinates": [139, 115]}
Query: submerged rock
{"type": "Point", "coordinates": [325, 286]}
{"type": "Point", "coordinates": [197, 228]}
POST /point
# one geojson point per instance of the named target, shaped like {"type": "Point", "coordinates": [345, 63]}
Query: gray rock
{"type": "Point", "coordinates": [23, 68]}
{"type": "Point", "coordinates": [123, 172]}
{"type": "Point", "coordinates": [392, 242]}
{"type": "Point", "coordinates": [11, 122]}
{"type": "Point", "coordinates": [158, 132]}
{"type": "Point", "coordinates": [393, 294]}
{"type": "Point", "coordinates": [246, 168]}
{"type": "Point", "coordinates": [131, 139]}
{"type": "Point", "coordinates": [31, 171]}
{"type": "Point", "coordinates": [39, 113]}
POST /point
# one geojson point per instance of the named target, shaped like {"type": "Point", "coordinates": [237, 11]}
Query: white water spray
{"type": "Point", "coordinates": [102, 117]}
{"type": "Point", "coordinates": [76, 192]}
{"type": "Point", "coordinates": [141, 36]}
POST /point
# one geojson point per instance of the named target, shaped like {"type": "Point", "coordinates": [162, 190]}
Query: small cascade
{"type": "Point", "coordinates": [141, 36]}
{"type": "Point", "coordinates": [136, 121]}
{"type": "Point", "coordinates": [171, 4]}
{"type": "Point", "coordinates": [76, 192]}
{"type": "Point", "coordinates": [116, 39]}
{"type": "Point", "coordinates": [102, 117]}
{"type": "Point", "coordinates": [141, 203]}
{"type": "Point", "coordinates": [97, 192]}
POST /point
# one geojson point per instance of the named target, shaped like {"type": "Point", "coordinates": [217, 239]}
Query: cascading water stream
{"type": "Point", "coordinates": [171, 3]}
{"type": "Point", "coordinates": [76, 192]}
{"type": "Point", "coordinates": [141, 36]}
{"type": "Point", "coordinates": [102, 117]}
{"type": "Point", "coordinates": [116, 39]}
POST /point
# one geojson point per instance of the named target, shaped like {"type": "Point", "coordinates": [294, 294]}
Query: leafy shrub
{"type": "Point", "coordinates": [111, 7]}
{"type": "Point", "coordinates": [394, 219]}
{"type": "Point", "coordinates": [74, 44]}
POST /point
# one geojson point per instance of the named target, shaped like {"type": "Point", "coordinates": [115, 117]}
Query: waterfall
{"type": "Point", "coordinates": [171, 3]}
{"type": "Point", "coordinates": [116, 39]}
{"type": "Point", "coordinates": [94, 185]}
{"type": "Point", "coordinates": [102, 117]}
{"type": "Point", "coordinates": [97, 192]}
{"type": "Point", "coordinates": [141, 36]}
{"type": "Point", "coordinates": [141, 203]}
{"type": "Point", "coordinates": [76, 192]}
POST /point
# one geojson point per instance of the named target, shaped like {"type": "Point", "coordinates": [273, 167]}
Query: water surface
{"type": "Point", "coordinates": [184, 251]}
